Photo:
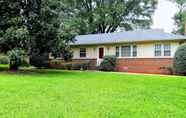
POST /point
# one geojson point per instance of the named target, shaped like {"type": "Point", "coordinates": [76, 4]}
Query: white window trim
{"type": "Point", "coordinates": [131, 51]}
{"type": "Point", "coordinates": [162, 50]}
{"type": "Point", "coordinates": [127, 53]}
{"type": "Point", "coordinates": [167, 50]}
{"type": "Point", "coordinates": [80, 53]}
{"type": "Point", "coordinates": [119, 51]}
{"type": "Point", "coordinates": [156, 50]}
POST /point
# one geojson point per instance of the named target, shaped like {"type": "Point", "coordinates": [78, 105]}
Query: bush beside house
{"type": "Point", "coordinates": [168, 70]}
{"type": "Point", "coordinates": [108, 63]}
{"type": "Point", "coordinates": [179, 62]}
{"type": "Point", "coordinates": [60, 64]}
{"type": "Point", "coordinates": [39, 61]}
{"type": "Point", "coordinates": [4, 60]}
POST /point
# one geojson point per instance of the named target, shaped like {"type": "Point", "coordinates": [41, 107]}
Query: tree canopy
{"type": "Point", "coordinates": [180, 16]}
{"type": "Point", "coordinates": [33, 26]}
{"type": "Point", "coordinates": [104, 16]}
{"type": "Point", "coordinates": [12, 33]}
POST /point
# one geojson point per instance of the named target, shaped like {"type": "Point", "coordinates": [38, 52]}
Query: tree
{"type": "Point", "coordinates": [180, 16]}
{"type": "Point", "coordinates": [12, 33]}
{"type": "Point", "coordinates": [46, 28]}
{"type": "Point", "coordinates": [11, 29]}
{"type": "Point", "coordinates": [33, 26]}
{"type": "Point", "coordinates": [41, 19]}
{"type": "Point", "coordinates": [104, 16]}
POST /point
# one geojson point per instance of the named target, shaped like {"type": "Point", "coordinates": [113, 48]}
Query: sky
{"type": "Point", "coordinates": [163, 16]}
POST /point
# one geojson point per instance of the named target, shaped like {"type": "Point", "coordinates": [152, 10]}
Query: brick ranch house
{"type": "Point", "coordinates": [140, 51]}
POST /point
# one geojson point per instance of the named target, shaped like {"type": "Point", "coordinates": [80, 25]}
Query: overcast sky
{"type": "Point", "coordinates": [162, 18]}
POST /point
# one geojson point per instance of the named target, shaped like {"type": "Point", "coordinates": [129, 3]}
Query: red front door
{"type": "Point", "coordinates": [101, 53]}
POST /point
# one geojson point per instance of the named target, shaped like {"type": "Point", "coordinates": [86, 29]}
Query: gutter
{"type": "Point", "coordinates": [142, 41]}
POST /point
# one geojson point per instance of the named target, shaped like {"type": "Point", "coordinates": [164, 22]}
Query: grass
{"type": "Point", "coordinates": [4, 66]}
{"type": "Point", "coordinates": [64, 94]}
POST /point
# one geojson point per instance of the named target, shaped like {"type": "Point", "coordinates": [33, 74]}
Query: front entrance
{"type": "Point", "coordinates": [100, 55]}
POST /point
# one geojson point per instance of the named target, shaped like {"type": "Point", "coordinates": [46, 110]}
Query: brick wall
{"type": "Point", "coordinates": [137, 65]}
{"type": "Point", "coordinates": [144, 65]}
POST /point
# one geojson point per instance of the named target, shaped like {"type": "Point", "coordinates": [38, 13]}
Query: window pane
{"type": "Point", "coordinates": [167, 47]}
{"type": "Point", "coordinates": [167, 53]}
{"type": "Point", "coordinates": [82, 52]}
{"type": "Point", "coordinates": [158, 50]}
{"type": "Point", "coordinates": [117, 51]}
{"type": "Point", "coordinates": [167, 50]}
{"type": "Point", "coordinates": [157, 53]}
{"type": "Point", "coordinates": [158, 47]}
{"type": "Point", "coordinates": [125, 51]}
{"type": "Point", "coordinates": [134, 53]}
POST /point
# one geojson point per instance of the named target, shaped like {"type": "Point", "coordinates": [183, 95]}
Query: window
{"type": "Point", "coordinates": [117, 51]}
{"type": "Point", "coordinates": [134, 52]}
{"type": "Point", "coordinates": [126, 51]}
{"type": "Point", "coordinates": [82, 52]}
{"type": "Point", "coordinates": [157, 49]}
{"type": "Point", "coordinates": [167, 50]}
{"type": "Point", "coordinates": [162, 50]}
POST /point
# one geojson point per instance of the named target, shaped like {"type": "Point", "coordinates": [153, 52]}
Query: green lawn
{"type": "Point", "coordinates": [63, 94]}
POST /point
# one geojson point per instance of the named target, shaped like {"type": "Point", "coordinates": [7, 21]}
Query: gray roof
{"type": "Point", "coordinates": [126, 37]}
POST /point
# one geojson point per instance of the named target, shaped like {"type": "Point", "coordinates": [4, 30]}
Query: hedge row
{"type": "Point", "coordinates": [70, 65]}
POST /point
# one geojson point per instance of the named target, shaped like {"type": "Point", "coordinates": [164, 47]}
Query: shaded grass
{"type": "Point", "coordinates": [65, 94]}
{"type": "Point", "coordinates": [4, 67]}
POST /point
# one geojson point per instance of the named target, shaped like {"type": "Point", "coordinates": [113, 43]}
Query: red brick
{"type": "Point", "coordinates": [137, 65]}
{"type": "Point", "coordinates": [143, 65]}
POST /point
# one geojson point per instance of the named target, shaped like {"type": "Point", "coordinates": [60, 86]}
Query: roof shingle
{"type": "Point", "coordinates": [124, 37]}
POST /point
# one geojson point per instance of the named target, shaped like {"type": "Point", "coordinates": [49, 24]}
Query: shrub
{"type": "Point", "coordinates": [76, 66]}
{"type": "Point", "coordinates": [67, 55]}
{"type": "Point", "coordinates": [17, 58]}
{"type": "Point", "coordinates": [85, 66]}
{"type": "Point", "coordinates": [25, 62]}
{"type": "Point", "coordinates": [167, 70]}
{"type": "Point", "coordinates": [39, 60]}
{"type": "Point", "coordinates": [4, 60]}
{"type": "Point", "coordinates": [81, 66]}
{"type": "Point", "coordinates": [108, 63]}
{"type": "Point", "coordinates": [68, 66]}
{"type": "Point", "coordinates": [179, 62]}
{"type": "Point", "coordinates": [56, 62]}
